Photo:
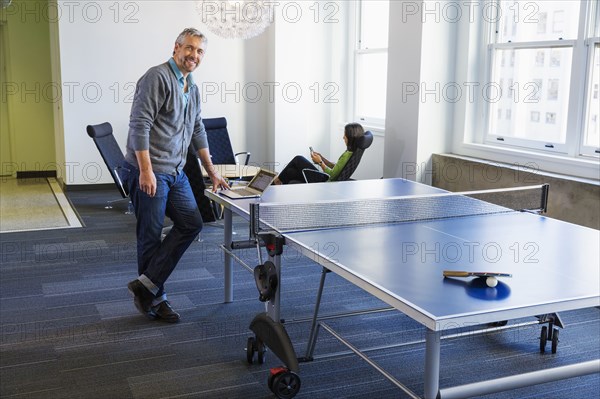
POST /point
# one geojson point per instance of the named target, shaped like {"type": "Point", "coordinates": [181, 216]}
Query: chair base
{"type": "Point", "coordinates": [129, 211]}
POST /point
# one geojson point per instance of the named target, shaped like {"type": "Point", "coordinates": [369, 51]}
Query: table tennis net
{"type": "Point", "coordinates": [343, 213]}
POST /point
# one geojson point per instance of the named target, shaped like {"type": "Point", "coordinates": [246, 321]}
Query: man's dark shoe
{"type": "Point", "coordinates": [165, 312]}
{"type": "Point", "coordinates": [142, 298]}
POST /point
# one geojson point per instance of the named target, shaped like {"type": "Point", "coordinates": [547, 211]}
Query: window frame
{"type": "Point", "coordinates": [577, 107]}
{"type": "Point", "coordinates": [591, 42]}
{"type": "Point", "coordinates": [377, 124]}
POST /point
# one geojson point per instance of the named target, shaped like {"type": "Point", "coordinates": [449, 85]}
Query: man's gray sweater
{"type": "Point", "coordinates": [161, 123]}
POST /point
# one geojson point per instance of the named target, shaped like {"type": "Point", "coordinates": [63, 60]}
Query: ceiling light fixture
{"type": "Point", "coordinates": [237, 19]}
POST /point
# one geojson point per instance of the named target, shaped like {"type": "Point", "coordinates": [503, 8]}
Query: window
{"type": "Point", "coordinates": [552, 89]}
{"type": "Point", "coordinates": [541, 22]}
{"type": "Point", "coordinates": [537, 89]}
{"type": "Point", "coordinates": [539, 58]}
{"type": "Point", "coordinates": [591, 138]}
{"type": "Point", "coordinates": [555, 58]}
{"type": "Point", "coordinates": [370, 55]}
{"type": "Point", "coordinates": [558, 24]}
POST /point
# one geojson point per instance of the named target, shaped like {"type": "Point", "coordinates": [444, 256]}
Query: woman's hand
{"type": "Point", "coordinates": [316, 157]}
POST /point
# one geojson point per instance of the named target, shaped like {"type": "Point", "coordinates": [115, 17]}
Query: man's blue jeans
{"type": "Point", "coordinates": [174, 198]}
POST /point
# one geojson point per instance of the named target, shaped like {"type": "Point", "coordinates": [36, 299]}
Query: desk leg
{"type": "Point", "coordinates": [228, 262]}
{"type": "Point", "coordinates": [432, 364]}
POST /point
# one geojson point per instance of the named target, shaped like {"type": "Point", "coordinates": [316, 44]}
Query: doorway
{"type": "Point", "coordinates": [5, 139]}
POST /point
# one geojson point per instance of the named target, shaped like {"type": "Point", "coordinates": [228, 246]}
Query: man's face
{"type": "Point", "coordinates": [189, 54]}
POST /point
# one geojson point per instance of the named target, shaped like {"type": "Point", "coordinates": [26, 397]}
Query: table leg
{"type": "Point", "coordinates": [228, 261]}
{"type": "Point", "coordinates": [432, 364]}
{"type": "Point", "coordinates": [273, 306]}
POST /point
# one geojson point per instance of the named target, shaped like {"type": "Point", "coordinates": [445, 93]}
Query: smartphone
{"type": "Point", "coordinates": [310, 148]}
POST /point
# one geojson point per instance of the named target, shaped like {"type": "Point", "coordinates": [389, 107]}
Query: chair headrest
{"type": "Point", "coordinates": [101, 130]}
{"type": "Point", "coordinates": [365, 141]}
{"type": "Point", "coordinates": [214, 123]}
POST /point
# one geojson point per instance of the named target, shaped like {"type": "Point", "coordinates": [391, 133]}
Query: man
{"type": "Point", "coordinates": [165, 119]}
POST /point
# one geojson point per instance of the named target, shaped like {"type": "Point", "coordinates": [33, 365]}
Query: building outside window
{"type": "Point", "coordinates": [554, 70]}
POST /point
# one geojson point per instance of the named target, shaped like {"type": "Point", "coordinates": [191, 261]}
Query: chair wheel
{"type": "Point", "coordinates": [543, 339]}
{"type": "Point", "coordinates": [250, 350]}
{"type": "Point", "coordinates": [261, 351]}
{"type": "Point", "coordinates": [555, 341]}
{"type": "Point", "coordinates": [284, 384]}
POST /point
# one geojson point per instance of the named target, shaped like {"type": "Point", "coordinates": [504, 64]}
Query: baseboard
{"type": "Point", "coordinates": [33, 174]}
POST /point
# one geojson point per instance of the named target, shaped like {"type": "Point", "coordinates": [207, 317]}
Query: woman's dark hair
{"type": "Point", "coordinates": [353, 131]}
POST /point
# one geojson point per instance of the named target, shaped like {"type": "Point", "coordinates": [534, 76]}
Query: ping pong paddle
{"type": "Point", "coordinates": [491, 280]}
{"type": "Point", "coordinates": [452, 273]}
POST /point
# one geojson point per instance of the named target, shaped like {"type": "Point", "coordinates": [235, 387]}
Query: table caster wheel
{"type": "Point", "coordinates": [250, 350]}
{"type": "Point", "coordinates": [543, 339]}
{"type": "Point", "coordinates": [285, 384]}
{"type": "Point", "coordinates": [555, 341]}
{"type": "Point", "coordinates": [272, 375]}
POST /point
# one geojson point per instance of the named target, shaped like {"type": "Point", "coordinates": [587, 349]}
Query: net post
{"type": "Point", "coordinates": [545, 191]}
{"type": "Point", "coordinates": [254, 220]}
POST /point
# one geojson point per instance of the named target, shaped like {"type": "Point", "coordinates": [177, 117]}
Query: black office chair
{"type": "Point", "coordinates": [194, 173]}
{"type": "Point", "coordinates": [110, 151]}
{"type": "Point", "coordinates": [316, 176]}
{"type": "Point", "coordinates": [220, 144]}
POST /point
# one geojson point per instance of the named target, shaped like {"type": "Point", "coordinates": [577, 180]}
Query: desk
{"type": "Point", "coordinates": [384, 260]}
{"type": "Point", "coordinates": [234, 171]}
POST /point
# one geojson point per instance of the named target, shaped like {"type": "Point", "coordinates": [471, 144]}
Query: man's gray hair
{"type": "Point", "coordinates": [190, 32]}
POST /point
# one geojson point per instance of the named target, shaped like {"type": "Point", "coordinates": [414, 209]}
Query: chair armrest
{"type": "Point", "coordinates": [245, 153]}
{"type": "Point", "coordinates": [314, 176]}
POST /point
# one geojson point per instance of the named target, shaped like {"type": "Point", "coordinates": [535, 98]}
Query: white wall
{"type": "Point", "coordinates": [404, 72]}
{"type": "Point", "coordinates": [438, 89]}
{"type": "Point", "coordinates": [104, 52]}
{"type": "Point", "coordinates": [292, 63]}
{"type": "Point", "coordinates": [421, 58]}
{"type": "Point", "coordinates": [303, 57]}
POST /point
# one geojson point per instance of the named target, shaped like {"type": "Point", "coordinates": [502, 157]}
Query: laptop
{"type": "Point", "coordinates": [259, 183]}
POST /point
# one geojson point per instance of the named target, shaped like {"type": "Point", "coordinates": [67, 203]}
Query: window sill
{"type": "Point", "coordinates": [578, 168]}
{"type": "Point", "coordinates": [375, 129]}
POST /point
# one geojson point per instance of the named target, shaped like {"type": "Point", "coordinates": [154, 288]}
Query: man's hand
{"type": "Point", "coordinates": [148, 183]}
{"type": "Point", "coordinates": [218, 182]}
{"type": "Point", "coordinates": [147, 178]}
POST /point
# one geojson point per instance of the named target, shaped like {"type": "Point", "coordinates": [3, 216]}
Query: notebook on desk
{"type": "Point", "coordinates": [259, 183]}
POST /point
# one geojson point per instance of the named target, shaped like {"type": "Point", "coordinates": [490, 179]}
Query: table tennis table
{"type": "Point", "coordinates": [554, 264]}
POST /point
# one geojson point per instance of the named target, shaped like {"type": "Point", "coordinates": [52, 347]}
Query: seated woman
{"type": "Point", "coordinates": [293, 170]}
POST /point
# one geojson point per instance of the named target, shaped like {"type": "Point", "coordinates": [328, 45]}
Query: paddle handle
{"type": "Point", "coordinates": [452, 273]}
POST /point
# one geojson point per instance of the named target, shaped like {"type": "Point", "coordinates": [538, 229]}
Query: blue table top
{"type": "Point", "coordinates": [555, 265]}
